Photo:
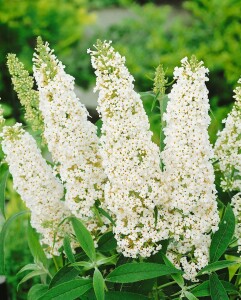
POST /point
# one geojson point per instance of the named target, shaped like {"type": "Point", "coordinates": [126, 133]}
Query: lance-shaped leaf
{"type": "Point", "coordinates": [35, 247]}
{"type": "Point", "coordinates": [222, 238]}
{"type": "Point", "coordinates": [68, 249]}
{"type": "Point", "coordinates": [218, 265]}
{"type": "Point", "coordinates": [37, 291]}
{"type": "Point", "coordinates": [99, 285]}
{"type": "Point", "coordinates": [64, 274]}
{"type": "Point", "coordinates": [84, 238]}
{"type": "Point", "coordinates": [69, 290]}
{"type": "Point", "coordinates": [217, 290]}
{"type": "Point", "coordinates": [133, 272]}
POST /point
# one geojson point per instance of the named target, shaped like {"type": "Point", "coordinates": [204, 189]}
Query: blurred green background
{"type": "Point", "coordinates": [146, 32]}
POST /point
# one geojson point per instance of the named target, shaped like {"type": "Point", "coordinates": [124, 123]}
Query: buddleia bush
{"type": "Point", "coordinates": [112, 213]}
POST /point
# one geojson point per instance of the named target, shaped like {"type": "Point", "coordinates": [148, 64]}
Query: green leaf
{"type": "Point", "coordinates": [229, 287]}
{"type": "Point", "coordinates": [29, 267]}
{"type": "Point", "coordinates": [190, 296]}
{"type": "Point", "coordinates": [31, 275]}
{"type": "Point", "coordinates": [68, 249]}
{"type": "Point", "coordinates": [64, 274]}
{"type": "Point", "coordinates": [223, 236]}
{"type": "Point", "coordinates": [3, 236]}
{"type": "Point", "coordinates": [217, 290]}
{"type": "Point", "coordinates": [148, 93]}
{"type": "Point", "coordinates": [3, 181]}
{"type": "Point", "coordinates": [99, 285]}
{"type": "Point", "coordinates": [84, 238]}
{"type": "Point", "coordinates": [69, 290]}
{"type": "Point", "coordinates": [86, 264]}
{"type": "Point", "coordinates": [37, 291]}
{"type": "Point", "coordinates": [124, 296]}
{"type": "Point", "coordinates": [98, 124]}
{"type": "Point", "coordinates": [218, 265]}
{"type": "Point", "coordinates": [233, 269]}
{"type": "Point", "coordinates": [111, 260]}
{"type": "Point", "coordinates": [203, 289]}
{"type": "Point", "coordinates": [133, 272]}
{"type": "Point", "coordinates": [105, 214]}
{"type": "Point", "coordinates": [35, 247]}
{"type": "Point", "coordinates": [107, 242]}
{"type": "Point", "coordinates": [177, 277]}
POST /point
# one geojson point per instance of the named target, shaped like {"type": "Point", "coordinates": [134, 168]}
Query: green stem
{"type": "Point", "coordinates": [101, 223]}
{"type": "Point", "coordinates": [55, 263]}
{"type": "Point", "coordinates": [166, 284]}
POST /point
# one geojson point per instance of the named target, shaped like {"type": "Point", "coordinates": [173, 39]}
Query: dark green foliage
{"type": "Point", "coordinates": [223, 236]}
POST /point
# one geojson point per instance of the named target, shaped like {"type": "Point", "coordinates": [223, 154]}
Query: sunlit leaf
{"type": "Point", "coordinates": [37, 291]}
{"type": "Point", "coordinates": [218, 265]}
{"type": "Point", "coordinates": [84, 238]}
{"type": "Point", "coordinates": [99, 285]}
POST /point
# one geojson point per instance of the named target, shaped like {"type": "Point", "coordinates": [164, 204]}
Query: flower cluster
{"type": "Point", "coordinates": [189, 175]}
{"type": "Point", "coordinates": [228, 147]}
{"type": "Point", "coordinates": [130, 159]}
{"type": "Point", "coordinates": [71, 138]}
{"type": "Point", "coordinates": [33, 179]}
{"type": "Point", "coordinates": [236, 204]}
{"type": "Point", "coordinates": [23, 85]}
{"type": "Point", "coordinates": [122, 171]}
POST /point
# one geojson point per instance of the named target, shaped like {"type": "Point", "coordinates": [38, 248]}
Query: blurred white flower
{"type": "Point", "coordinates": [228, 147]}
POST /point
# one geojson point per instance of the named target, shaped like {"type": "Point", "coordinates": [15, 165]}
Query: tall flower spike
{"type": "Point", "coordinates": [34, 180]}
{"type": "Point", "coordinates": [131, 160]}
{"type": "Point", "coordinates": [23, 85]}
{"type": "Point", "coordinates": [71, 138]}
{"type": "Point", "coordinates": [189, 175]}
{"type": "Point", "coordinates": [228, 147]}
{"type": "Point", "coordinates": [236, 204]}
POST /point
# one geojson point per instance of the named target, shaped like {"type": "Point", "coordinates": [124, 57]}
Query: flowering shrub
{"type": "Point", "coordinates": [112, 214]}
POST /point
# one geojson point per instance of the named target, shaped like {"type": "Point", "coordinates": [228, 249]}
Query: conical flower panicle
{"type": "Point", "coordinates": [33, 179]}
{"type": "Point", "coordinates": [188, 174]}
{"type": "Point", "coordinates": [228, 147]}
{"type": "Point", "coordinates": [71, 138]}
{"type": "Point", "coordinates": [130, 158]}
{"type": "Point", "coordinates": [23, 85]}
{"type": "Point", "coordinates": [236, 204]}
